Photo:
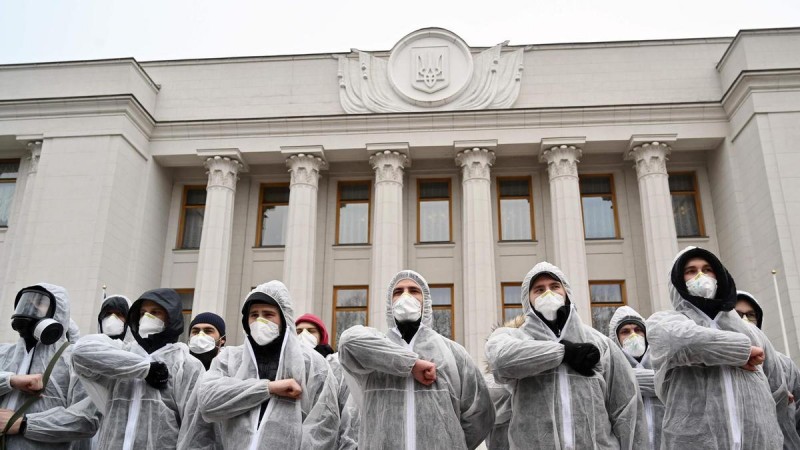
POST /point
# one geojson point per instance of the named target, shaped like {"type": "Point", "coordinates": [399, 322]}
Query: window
{"type": "Point", "coordinates": [350, 307]}
{"type": "Point", "coordinates": [599, 212]}
{"type": "Point", "coordinates": [516, 209]}
{"type": "Point", "coordinates": [512, 296]}
{"type": "Point", "coordinates": [193, 207]}
{"type": "Point", "coordinates": [686, 204]}
{"type": "Point", "coordinates": [187, 301]}
{"type": "Point", "coordinates": [352, 220]}
{"type": "Point", "coordinates": [442, 297]}
{"type": "Point", "coordinates": [433, 211]}
{"type": "Point", "coordinates": [9, 170]}
{"type": "Point", "coordinates": [606, 297]}
{"type": "Point", "coordinates": [272, 214]}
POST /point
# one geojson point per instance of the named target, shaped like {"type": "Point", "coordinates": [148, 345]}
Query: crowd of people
{"type": "Point", "coordinates": [700, 376]}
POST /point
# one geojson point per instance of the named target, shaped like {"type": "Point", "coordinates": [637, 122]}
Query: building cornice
{"type": "Point", "coordinates": [155, 87]}
{"type": "Point", "coordinates": [750, 81]}
{"type": "Point", "coordinates": [753, 32]}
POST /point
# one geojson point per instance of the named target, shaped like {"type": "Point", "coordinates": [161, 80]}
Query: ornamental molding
{"type": "Point", "coordinates": [562, 160]}
{"type": "Point", "coordinates": [304, 169]}
{"type": "Point", "coordinates": [431, 69]}
{"type": "Point", "coordinates": [650, 158]}
{"type": "Point", "coordinates": [222, 172]}
{"type": "Point", "coordinates": [388, 166]}
{"type": "Point", "coordinates": [475, 163]}
{"type": "Point", "coordinates": [35, 149]}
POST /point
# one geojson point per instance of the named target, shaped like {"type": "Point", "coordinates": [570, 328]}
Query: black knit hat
{"type": "Point", "coordinates": [211, 319]}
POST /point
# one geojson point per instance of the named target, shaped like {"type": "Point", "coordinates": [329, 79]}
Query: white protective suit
{"type": "Point", "coordinates": [501, 398]}
{"type": "Point", "coordinates": [231, 392]}
{"type": "Point", "coordinates": [554, 406]}
{"type": "Point", "coordinates": [653, 407]}
{"type": "Point", "coordinates": [455, 412]}
{"type": "Point", "coordinates": [53, 421]}
{"type": "Point", "coordinates": [711, 401]}
{"type": "Point", "coordinates": [348, 426]}
{"type": "Point", "coordinates": [135, 414]}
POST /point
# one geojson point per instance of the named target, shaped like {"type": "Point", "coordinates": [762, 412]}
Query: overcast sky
{"type": "Point", "coordinates": [56, 30]}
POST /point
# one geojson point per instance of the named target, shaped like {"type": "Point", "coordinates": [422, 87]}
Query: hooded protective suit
{"type": "Point", "coordinates": [231, 392]}
{"type": "Point", "coordinates": [711, 401]}
{"type": "Point", "coordinates": [52, 421]}
{"type": "Point", "coordinates": [653, 408]}
{"type": "Point", "coordinates": [135, 414]}
{"type": "Point", "coordinates": [789, 419]}
{"type": "Point", "coordinates": [553, 405]}
{"type": "Point", "coordinates": [455, 412]}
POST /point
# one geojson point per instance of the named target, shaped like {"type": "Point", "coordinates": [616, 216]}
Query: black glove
{"type": "Point", "coordinates": [158, 375]}
{"type": "Point", "coordinates": [581, 357]}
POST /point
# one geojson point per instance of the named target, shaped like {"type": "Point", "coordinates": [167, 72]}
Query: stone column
{"type": "Point", "coordinates": [480, 285]}
{"type": "Point", "coordinates": [568, 235]}
{"type": "Point", "coordinates": [213, 261]}
{"type": "Point", "coordinates": [301, 228]}
{"type": "Point", "coordinates": [660, 236]}
{"type": "Point", "coordinates": [387, 226]}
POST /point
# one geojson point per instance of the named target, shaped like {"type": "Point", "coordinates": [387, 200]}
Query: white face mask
{"type": "Point", "coordinates": [112, 325]}
{"type": "Point", "coordinates": [308, 338]}
{"type": "Point", "coordinates": [406, 308]}
{"type": "Point", "coordinates": [264, 331]}
{"type": "Point", "coordinates": [634, 345]}
{"type": "Point", "coordinates": [201, 343]}
{"type": "Point", "coordinates": [702, 285]}
{"type": "Point", "coordinates": [150, 324]}
{"type": "Point", "coordinates": [548, 303]}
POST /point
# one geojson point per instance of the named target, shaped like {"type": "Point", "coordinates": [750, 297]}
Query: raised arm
{"type": "Point", "coordinates": [365, 350]}
{"type": "Point", "coordinates": [221, 396]}
{"type": "Point", "coordinates": [514, 358]}
{"type": "Point", "coordinates": [98, 357]}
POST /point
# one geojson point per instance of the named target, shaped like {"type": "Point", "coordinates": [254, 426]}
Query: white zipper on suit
{"type": "Point", "coordinates": [133, 415]}
{"type": "Point", "coordinates": [411, 407]}
{"type": "Point", "coordinates": [566, 407]}
{"type": "Point", "coordinates": [254, 442]}
{"type": "Point", "coordinates": [730, 401]}
{"type": "Point", "coordinates": [648, 415]}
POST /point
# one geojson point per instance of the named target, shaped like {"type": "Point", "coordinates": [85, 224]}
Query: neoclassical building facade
{"type": "Point", "coordinates": [331, 172]}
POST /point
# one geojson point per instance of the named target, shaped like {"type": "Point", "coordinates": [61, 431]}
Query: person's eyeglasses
{"type": "Point", "coordinates": [751, 316]}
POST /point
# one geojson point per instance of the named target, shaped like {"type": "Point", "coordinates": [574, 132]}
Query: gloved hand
{"type": "Point", "coordinates": [158, 375]}
{"type": "Point", "coordinates": [581, 357]}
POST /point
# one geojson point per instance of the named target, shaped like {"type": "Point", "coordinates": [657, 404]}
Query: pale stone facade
{"type": "Point", "coordinates": [106, 150]}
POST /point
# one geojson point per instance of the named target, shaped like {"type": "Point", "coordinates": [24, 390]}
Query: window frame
{"type": "Point", "coordinates": [449, 208]}
{"type": "Point", "coordinates": [503, 304]}
{"type": "Point", "coordinates": [452, 307]}
{"type": "Point", "coordinates": [701, 228]}
{"type": "Point", "coordinates": [336, 289]}
{"type": "Point", "coordinates": [261, 205]}
{"type": "Point", "coordinates": [339, 201]}
{"type": "Point", "coordinates": [186, 328]}
{"type": "Point", "coordinates": [622, 289]}
{"type": "Point", "coordinates": [181, 219]}
{"type": "Point", "coordinates": [614, 205]}
{"type": "Point", "coordinates": [513, 197]}
{"type": "Point", "coordinates": [10, 181]}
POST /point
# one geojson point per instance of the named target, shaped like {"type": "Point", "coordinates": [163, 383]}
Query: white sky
{"type": "Point", "coordinates": [56, 30]}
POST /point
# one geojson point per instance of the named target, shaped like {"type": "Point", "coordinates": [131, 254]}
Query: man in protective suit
{"type": "Point", "coordinates": [112, 320]}
{"type": "Point", "coordinates": [415, 388]}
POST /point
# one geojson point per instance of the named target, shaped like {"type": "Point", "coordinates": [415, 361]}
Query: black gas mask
{"type": "Point", "coordinates": [34, 308]}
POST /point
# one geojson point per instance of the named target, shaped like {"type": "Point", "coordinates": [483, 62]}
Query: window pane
{"type": "Point", "coordinates": [434, 189]}
{"type": "Point", "coordinates": [601, 316]}
{"type": "Point", "coordinates": [6, 197]}
{"type": "Point", "coordinates": [606, 293]}
{"type": "Point", "coordinates": [512, 294]}
{"type": "Point", "coordinates": [347, 319]}
{"type": "Point", "coordinates": [192, 227]}
{"type": "Point", "coordinates": [348, 298]}
{"type": "Point", "coordinates": [511, 313]}
{"type": "Point", "coordinates": [354, 191]}
{"type": "Point", "coordinates": [516, 219]}
{"type": "Point", "coordinates": [598, 217]}
{"type": "Point", "coordinates": [9, 169]}
{"type": "Point", "coordinates": [354, 223]}
{"type": "Point", "coordinates": [684, 209]}
{"type": "Point", "coordinates": [434, 221]}
{"type": "Point", "coordinates": [276, 194]}
{"type": "Point", "coordinates": [442, 322]}
{"type": "Point", "coordinates": [681, 182]}
{"type": "Point", "coordinates": [514, 188]}
{"type": "Point", "coordinates": [441, 296]}
{"type": "Point", "coordinates": [274, 225]}
{"type": "Point", "coordinates": [595, 185]}
{"type": "Point", "coordinates": [196, 197]}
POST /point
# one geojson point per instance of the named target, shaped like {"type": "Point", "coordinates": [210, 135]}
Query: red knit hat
{"type": "Point", "coordinates": [317, 322]}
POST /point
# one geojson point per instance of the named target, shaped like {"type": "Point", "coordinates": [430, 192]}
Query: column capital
{"type": "Point", "coordinates": [562, 160]}
{"type": "Point", "coordinates": [304, 169]}
{"type": "Point", "coordinates": [35, 149]}
{"type": "Point", "coordinates": [388, 165]}
{"type": "Point", "coordinates": [475, 163]}
{"type": "Point", "coordinates": [650, 158]}
{"type": "Point", "coordinates": [223, 171]}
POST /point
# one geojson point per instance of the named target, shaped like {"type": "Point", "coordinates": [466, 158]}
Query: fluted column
{"type": "Point", "coordinates": [213, 261]}
{"type": "Point", "coordinates": [568, 235]}
{"type": "Point", "coordinates": [387, 237]}
{"type": "Point", "coordinates": [660, 236]}
{"type": "Point", "coordinates": [480, 286]}
{"type": "Point", "coordinates": [301, 229]}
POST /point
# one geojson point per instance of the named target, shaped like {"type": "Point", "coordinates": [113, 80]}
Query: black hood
{"type": "Point", "coordinates": [113, 303]}
{"type": "Point", "coordinates": [746, 296]}
{"type": "Point", "coordinates": [170, 301]}
{"type": "Point", "coordinates": [724, 299]}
